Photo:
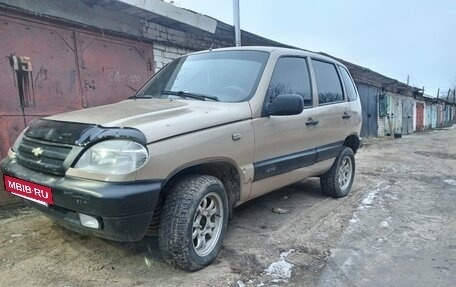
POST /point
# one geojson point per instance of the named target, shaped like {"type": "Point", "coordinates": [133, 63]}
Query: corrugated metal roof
{"type": "Point", "coordinates": [367, 76]}
{"type": "Point", "coordinates": [159, 12]}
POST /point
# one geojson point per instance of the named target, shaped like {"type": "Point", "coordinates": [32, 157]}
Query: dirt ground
{"type": "Point", "coordinates": [396, 228]}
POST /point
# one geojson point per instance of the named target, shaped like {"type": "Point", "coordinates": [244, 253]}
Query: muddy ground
{"type": "Point", "coordinates": [396, 228]}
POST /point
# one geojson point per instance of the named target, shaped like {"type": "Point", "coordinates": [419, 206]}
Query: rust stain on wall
{"type": "Point", "coordinates": [21, 66]}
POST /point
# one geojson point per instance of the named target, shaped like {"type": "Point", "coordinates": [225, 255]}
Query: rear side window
{"type": "Point", "coordinates": [328, 82]}
{"type": "Point", "coordinates": [349, 85]}
{"type": "Point", "coordinates": [291, 76]}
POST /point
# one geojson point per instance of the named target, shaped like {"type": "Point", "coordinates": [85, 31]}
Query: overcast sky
{"type": "Point", "coordinates": [392, 37]}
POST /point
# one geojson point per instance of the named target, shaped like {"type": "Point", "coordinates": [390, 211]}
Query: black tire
{"type": "Point", "coordinates": [181, 209]}
{"type": "Point", "coordinates": [330, 184]}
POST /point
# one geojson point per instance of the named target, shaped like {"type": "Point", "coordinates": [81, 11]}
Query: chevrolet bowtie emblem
{"type": "Point", "coordinates": [37, 151]}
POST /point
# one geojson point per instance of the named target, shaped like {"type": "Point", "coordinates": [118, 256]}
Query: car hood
{"type": "Point", "coordinates": [159, 119]}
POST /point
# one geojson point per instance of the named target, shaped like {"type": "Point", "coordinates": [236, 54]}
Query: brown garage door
{"type": "Point", "coordinates": [51, 68]}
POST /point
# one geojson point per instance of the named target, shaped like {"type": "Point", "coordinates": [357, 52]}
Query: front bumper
{"type": "Point", "coordinates": [124, 210]}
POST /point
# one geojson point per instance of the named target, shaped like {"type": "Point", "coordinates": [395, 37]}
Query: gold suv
{"type": "Point", "coordinates": [210, 131]}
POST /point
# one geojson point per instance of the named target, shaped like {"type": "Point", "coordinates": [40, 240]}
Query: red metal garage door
{"type": "Point", "coordinates": [48, 69]}
{"type": "Point", "coordinates": [111, 69]}
{"type": "Point", "coordinates": [51, 68]}
{"type": "Point", "coordinates": [37, 75]}
{"type": "Point", "coordinates": [419, 117]}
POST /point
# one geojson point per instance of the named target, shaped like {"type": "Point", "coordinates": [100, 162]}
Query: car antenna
{"type": "Point", "coordinates": [210, 48]}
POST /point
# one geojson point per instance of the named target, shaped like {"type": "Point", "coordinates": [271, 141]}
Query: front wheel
{"type": "Point", "coordinates": [337, 181]}
{"type": "Point", "coordinates": [193, 222]}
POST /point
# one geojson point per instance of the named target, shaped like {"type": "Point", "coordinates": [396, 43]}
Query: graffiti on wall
{"type": "Point", "coordinates": [118, 76]}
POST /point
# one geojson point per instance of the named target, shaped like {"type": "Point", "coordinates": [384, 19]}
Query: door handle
{"type": "Point", "coordinates": [346, 116]}
{"type": "Point", "coordinates": [311, 122]}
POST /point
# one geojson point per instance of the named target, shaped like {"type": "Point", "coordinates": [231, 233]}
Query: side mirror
{"type": "Point", "coordinates": [286, 105]}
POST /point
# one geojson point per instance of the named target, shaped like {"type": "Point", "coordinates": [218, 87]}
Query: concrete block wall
{"type": "Point", "coordinates": [172, 43]}
{"type": "Point", "coordinates": [163, 54]}
{"type": "Point", "coordinates": [194, 40]}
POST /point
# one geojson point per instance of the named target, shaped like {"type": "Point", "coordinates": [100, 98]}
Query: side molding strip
{"type": "Point", "coordinates": [285, 163]}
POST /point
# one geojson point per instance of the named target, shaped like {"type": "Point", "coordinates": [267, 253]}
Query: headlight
{"type": "Point", "coordinates": [113, 157]}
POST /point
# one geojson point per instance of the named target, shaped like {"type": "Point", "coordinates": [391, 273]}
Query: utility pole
{"type": "Point", "coordinates": [438, 92]}
{"type": "Point", "coordinates": [237, 23]}
{"type": "Point", "coordinates": [408, 78]}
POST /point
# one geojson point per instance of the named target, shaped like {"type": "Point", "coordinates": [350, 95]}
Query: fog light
{"type": "Point", "coordinates": [89, 221]}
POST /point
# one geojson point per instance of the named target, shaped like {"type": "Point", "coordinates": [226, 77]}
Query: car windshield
{"type": "Point", "coordinates": [227, 76]}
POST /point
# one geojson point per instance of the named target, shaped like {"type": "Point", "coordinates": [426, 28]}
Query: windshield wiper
{"type": "Point", "coordinates": [183, 94]}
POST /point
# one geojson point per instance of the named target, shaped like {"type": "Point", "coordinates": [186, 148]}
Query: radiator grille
{"type": "Point", "coordinates": [43, 156]}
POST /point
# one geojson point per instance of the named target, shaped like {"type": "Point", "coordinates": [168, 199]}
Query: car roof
{"type": "Point", "coordinates": [274, 50]}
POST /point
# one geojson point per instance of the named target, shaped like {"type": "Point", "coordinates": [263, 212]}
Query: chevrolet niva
{"type": "Point", "coordinates": [210, 131]}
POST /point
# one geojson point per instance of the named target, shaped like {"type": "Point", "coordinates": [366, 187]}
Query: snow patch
{"type": "Point", "coordinates": [349, 257]}
{"type": "Point", "coordinates": [277, 273]}
{"type": "Point", "coordinates": [280, 269]}
{"type": "Point", "coordinates": [450, 181]}
{"type": "Point", "coordinates": [147, 261]}
{"type": "Point", "coordinates": [354, 220]}
{"type": "Point", "coordinates": [368, 201]}
{"type": "Point", "coordinates": [371, 195]}
{"type": "Point", "coordinates": [284, 255]}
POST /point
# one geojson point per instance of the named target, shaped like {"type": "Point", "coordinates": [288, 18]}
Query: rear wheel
{"type": "Point", "coordinates": [337, 181]}
{"type": "Point", "coordinates": [193, 222]}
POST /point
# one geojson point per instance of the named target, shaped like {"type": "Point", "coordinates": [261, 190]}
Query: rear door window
{"type": "Point", "coordinates": [328, 83]}
{"type": "Point", "coordinates": [349, 85]}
